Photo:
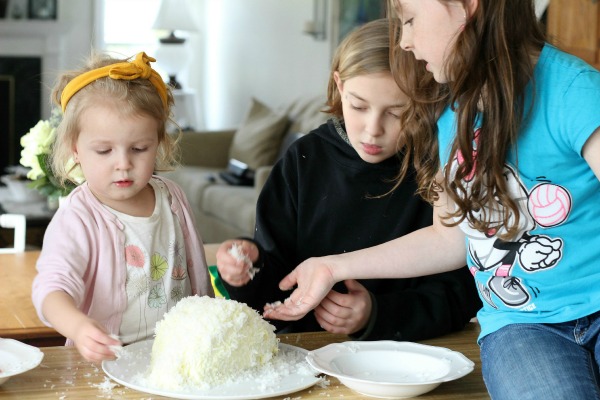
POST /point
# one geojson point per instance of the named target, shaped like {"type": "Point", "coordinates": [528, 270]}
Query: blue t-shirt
{"type": "Point", "coordinates": [551, 272]}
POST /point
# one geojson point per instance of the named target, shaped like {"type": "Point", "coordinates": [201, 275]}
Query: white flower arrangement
{"type": "Point", "coordinates": [37, 145]}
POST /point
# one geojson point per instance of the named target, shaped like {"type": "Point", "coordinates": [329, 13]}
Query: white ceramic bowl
{"type": "Point", "coordinates": [17, 357]}
{"type": "Point", "coordinates": [19, 189]}
{"type": "Point", "coordinates": [389, 369]}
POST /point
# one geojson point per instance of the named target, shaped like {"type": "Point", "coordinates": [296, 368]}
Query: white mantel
{"type": "Point", "coordinates": [61, 44]}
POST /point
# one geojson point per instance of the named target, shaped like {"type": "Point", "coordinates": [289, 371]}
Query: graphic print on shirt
{"type": "Point", "coordinates": [137, 283]}
{"type": "Point", "coordinates": [145, 283]}
{"type": "Point", "coordinates": [179, 272]}
{"type": "Point", "coordinates": [546, 205]}
{"type": "Point", "coordinates": [158, 267]}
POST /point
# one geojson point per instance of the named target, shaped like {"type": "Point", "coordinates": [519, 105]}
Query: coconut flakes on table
{"type": "Point", "coordinates": [323, 383]}
{"type": "Point", "coordinates": [236, 252]}
{"type": "Point", "coordinates": [106, 386]}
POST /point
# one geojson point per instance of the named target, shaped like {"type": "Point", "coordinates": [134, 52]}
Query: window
{"type": "Point", "coordinates": [127, 26]}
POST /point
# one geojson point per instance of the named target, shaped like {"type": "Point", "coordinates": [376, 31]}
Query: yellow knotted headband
{"type": "Point", "coordinates": [138, 68]}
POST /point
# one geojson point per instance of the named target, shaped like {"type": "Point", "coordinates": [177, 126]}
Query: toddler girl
{"type": "Point", "coordinates": [123, 248]}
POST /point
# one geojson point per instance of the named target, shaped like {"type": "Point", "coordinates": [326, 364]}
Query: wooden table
{"type": "Point", "coordinates": [64, 374]}
{"type": "Point", "coordinates": [18, 318]}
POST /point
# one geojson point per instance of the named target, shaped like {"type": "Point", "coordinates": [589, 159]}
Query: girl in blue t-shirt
{"type": "Point", "coordinates": [505, 136]}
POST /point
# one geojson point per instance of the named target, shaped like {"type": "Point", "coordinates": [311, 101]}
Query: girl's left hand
{"type": "Point", "coordinates": [345, 313]}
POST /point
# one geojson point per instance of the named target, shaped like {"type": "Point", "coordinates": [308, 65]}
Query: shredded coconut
{"type": "Point", "coordinates": [106, 386]}
{"type": "Point", "coordinates": [236, 252]}
{"type": "Point", "coordinates": [203, 342]}
{"type": "Point", "coordinates": [323, 383]}
{"type": "Point", "coordinates": [116, 349]}
{"type": "Point", "coordinates": [274, 305]}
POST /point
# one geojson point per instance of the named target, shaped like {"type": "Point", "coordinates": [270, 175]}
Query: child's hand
{"type": "Point", "coordinates": [345, 313]}
{"type": "Point", "coordinates": [314, 278]}
{"type": "Point", "coordinates": [93, 343]}
{"type": "Point", "coordinates": [234, 261]}
{"type": "Point", "coordinates": [89, 336]}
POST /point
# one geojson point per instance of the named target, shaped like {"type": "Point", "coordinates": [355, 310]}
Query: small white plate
{"type": "Point", "coordinates": [390, 369]}
{"type": "Point", "coordinates": [17, 357]}
{"type": "Point", "coordinates": [296, 375]}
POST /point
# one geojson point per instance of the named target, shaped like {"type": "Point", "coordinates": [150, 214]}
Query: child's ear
{"type": "Point", "coordinates": [470, 7]}
{"type": "Point", "coordinates": [338, 81]}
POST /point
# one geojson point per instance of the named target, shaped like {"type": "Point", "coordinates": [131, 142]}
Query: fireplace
{"type": "Point", "coordinates": [20, 104]}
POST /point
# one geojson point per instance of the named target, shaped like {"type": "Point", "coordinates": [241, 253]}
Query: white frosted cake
{"type": "Point", "coordinates": [203, 342]}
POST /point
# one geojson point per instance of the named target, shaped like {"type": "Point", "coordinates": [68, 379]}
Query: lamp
{"type": "Point", "coordinates": [317, 26]}
{"type": "Point", "coordinates": [172, 55]}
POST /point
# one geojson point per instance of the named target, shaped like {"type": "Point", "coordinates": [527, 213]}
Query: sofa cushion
{"type": "Point", "coordinates": [258, 139]}
{"type": "Point", "coordinates": [234, 205]}
{"type": "Point", "coordinates": [194, 181]}
{"type": "Point", "coordinates": [306, 114]}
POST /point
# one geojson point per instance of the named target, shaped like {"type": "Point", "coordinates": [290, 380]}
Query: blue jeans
{"type": "Point", "coordinates": [543, 361]}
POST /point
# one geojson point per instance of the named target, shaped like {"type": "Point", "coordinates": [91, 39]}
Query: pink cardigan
{"type": "Point", "coordinates": [83, 255]}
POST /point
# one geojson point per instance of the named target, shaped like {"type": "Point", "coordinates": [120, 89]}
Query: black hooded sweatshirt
{"type": "Point", "coordinates": [320, 199]}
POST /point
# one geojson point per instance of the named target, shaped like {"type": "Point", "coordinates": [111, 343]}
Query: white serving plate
{"type": "Point", "coordinates": [17, 357]}
{"type": "Point", "coordinates": [127, 370]}
{"type": "Point", "coordinates": [390, 369]}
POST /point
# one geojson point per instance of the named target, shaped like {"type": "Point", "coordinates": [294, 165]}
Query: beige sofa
{"type": "Point", "coordinates": [224, 211]}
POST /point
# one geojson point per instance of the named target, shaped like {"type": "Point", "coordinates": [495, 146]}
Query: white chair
{"type": "Point", "coordinates": [18, 223]}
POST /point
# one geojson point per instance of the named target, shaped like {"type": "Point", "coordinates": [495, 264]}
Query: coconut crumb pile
{"type": "Point", "coordinates": [106, 386]}
{"type": "Point", "coordinates": [263, 378]}
{"type": "Point", "coordinates": [204, 342]}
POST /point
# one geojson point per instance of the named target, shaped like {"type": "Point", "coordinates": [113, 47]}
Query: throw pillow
{"type": "Point", "coordinates": [258, 139]}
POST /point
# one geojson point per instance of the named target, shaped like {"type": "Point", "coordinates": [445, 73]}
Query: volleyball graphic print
{"type": "Point", "coordinates": [549, 204]}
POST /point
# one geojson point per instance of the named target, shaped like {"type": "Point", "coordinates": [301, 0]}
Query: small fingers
{"type": "Point", "coordinates": [334, 309]}
{"type": "Point", "coordinates": [331, 327]}
{"type": "Point", "coordinates": [94, 351]}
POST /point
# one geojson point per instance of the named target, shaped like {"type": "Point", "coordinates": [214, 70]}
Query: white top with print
{"type": "Point", "coordinates": [156, 267]}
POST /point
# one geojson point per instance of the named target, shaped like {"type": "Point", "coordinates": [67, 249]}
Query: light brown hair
{"type": "Point", "coordinates": [365, 50]}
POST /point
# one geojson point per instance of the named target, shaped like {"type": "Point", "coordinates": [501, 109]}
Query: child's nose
{"type": "Point", "coordinates": [406, 41]}
{"type": "Point", "coordinates": [374, 126]}
{"type": "Point", "coordinates": [123, 161]}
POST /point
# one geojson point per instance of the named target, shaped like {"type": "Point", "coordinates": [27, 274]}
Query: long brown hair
{"type": "Point", "coordinates": [418, 142]}
{"type": "Point", "coordinates": [491, 64]}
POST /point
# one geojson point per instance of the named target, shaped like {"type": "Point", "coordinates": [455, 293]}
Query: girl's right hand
{"type": "Point", "coordinates": [93, 343]}
{"type": "Point", "coordinates": [314, 278]}
{"type": "Point", "coordinates": [236, 271]}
